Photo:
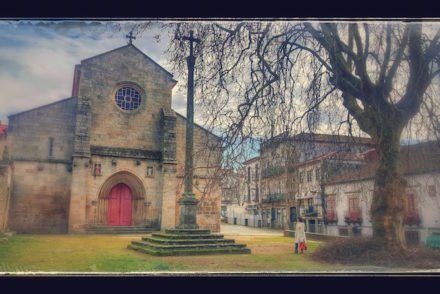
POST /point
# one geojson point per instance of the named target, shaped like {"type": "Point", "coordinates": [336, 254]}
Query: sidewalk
{"type": "Point", "coordinates": [227, 229]}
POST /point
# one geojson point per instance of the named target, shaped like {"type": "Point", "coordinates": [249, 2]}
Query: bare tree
{"type": "Point", "coordinates": [254, 79]}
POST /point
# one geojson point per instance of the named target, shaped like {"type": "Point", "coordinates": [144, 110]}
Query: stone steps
{"type": "Point", "coordinates": [187, 242]}
{"type": "Point", "coordinates": [188, 231]}
{"type": "Point", "coordinates": [182, 252]}
{"type": "Point", "coordinates": [121, 230]}
{"type": "Point", "coordinates": [189, 246]}
{"type": "Point", "coordinates": [186, 236]}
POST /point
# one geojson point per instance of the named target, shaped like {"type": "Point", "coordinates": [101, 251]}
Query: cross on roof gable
{"type": "Point", "coordinates": [134, 47]}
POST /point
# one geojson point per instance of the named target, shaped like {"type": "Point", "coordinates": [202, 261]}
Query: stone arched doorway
{"type": "Point", "coordinates": [121, 200]}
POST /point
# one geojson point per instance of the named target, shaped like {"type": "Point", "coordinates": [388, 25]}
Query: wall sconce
{"type": "Point", "coordinates": [138, 162]}
{"type": "Point", "coordinates": [113, 161]}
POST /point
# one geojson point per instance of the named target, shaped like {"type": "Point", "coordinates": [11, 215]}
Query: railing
{"type": "Point", "coordinates": [272, 171]}
{"type": "Point", "coordinates": [309, 210]}
{"type": "Point", "coordinates": [271, 198]}
{"type": "Point", "coordinates": [331, 217]}
{"type": "Point", "coordinates": [411, 219]}
{"type": "Point", "coordinates": [353, 217]}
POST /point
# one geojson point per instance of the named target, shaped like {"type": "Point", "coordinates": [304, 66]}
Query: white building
{"type": "Point", "coordinates": [312, 175]}
{"type": "Point", "coordinates": [244, 209]}
{"type": "Point", "coordinates": [348, 196]}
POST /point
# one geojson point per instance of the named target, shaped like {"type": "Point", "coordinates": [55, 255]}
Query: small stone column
{"type": "Point", "coordinates": [169, 169]}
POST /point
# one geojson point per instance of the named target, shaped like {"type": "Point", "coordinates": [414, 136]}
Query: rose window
{"type": "Point", "coordinates": [128, 98]}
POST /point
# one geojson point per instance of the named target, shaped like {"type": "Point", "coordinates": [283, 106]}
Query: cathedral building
{"type": "Point", "coordinates": [112, 155]}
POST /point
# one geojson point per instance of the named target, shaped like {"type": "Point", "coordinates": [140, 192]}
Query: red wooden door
{"type": "Point", "coordinates": [119, 206]}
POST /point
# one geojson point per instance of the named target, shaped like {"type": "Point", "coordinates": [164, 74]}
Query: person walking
{"type": "Point", "coordinates": [300, 235]}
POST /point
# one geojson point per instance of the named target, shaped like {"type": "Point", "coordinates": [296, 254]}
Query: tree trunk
{"type": "Point", "coordinates": [388, 197]}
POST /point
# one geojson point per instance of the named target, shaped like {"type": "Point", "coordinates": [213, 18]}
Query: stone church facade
{"type": "Point", "coordinates": [111, 155]}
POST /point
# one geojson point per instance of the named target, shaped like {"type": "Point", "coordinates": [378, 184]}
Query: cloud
{"type": "Point", "coordinates": [179, 103]}
{"type": "Point", "coordinates": [37, 58]}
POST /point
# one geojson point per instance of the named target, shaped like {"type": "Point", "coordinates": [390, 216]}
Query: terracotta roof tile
{"type": "Point", "coordinates": [415, 159]}
{"type": "Point", "coordinates": [317, 138]}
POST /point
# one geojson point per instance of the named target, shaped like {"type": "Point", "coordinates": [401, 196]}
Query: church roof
{"type": "Point", "coordinates": [42, 106]}
{"type": "Point", "coordinates": [199, 126]}
{"type": "Point", "coordinates": [137, 49]}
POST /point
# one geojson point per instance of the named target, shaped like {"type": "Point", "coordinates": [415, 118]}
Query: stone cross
{"type": "Point", "coordinates": [190, 116]}
{"type": "Point", "coordinates": [188, 201]}
{"type": "Point", "coordinates": [130, 37]}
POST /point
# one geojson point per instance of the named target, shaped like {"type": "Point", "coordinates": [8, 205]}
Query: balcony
{"type": "Point", "coordinates": [272, 198]}
{"type": "Point", "coordinates": [331, 217]}
{"type": "Point", "coordinates": [353, 217]}
{"type": "Point", "coordinates": [310, 211]}
{"type": "Point", "coordinates": [411, 219]}
{"type": "Point", "coordinates": [272, 171]}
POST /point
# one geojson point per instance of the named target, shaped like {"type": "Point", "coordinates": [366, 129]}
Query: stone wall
{"type": "Point", "coordinates": [41, 178]}
{"type": "Point", "coordinates": [29, 132]}
{"type": "Point", "coordinates": [5, 189]}
{"type": "Point", "coordinates": [40, 197]}
{"type": "Point", "coordinates": [101, 76]}
{"type": "Point", "coordinates": [2, 145]}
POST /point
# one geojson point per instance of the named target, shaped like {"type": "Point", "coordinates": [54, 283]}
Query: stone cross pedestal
{"type": "Point", "coordinates": [187, 238]}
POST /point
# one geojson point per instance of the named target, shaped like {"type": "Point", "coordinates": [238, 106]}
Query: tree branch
{"type": "Point", "coordinates": [418, 80]}
{"type": "Point", "coordinates": [399, 56]}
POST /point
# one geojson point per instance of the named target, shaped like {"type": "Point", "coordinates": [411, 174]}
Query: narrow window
{"type": "Point", "coordinates": [431, 190]}
{"type": "Point", "coordinates": [150, 171]}
{"type": "Point", "coordinates": [51, 146]}
{"type": "Point", "coordinates": [301, 177]}
{"type": "Point", "coordinates": [353, 204]}
{"type": "Point", "coordinates": [257, 197]}
{"type": "Point", "coordinates": [410, 204]}
{"type": "Point", "coordinates": [318, 174]}
{"type": "Point", "coordinates": [309, 176]}
{"type": "Point", "coordinates": [97, 169]}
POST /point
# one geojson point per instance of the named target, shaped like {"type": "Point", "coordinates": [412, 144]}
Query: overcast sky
{"type": "Point", "coordinates": [37, 59]}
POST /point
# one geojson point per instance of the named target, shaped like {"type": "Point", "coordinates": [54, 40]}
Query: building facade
{"type": "Point", "coordinates": [290, 183]}
{"type": "Point", "coordinates": [232, 198]}
{"type": "Point", "coordinates": [111, 155]}
{"type": "Point", "coordinates": [348, 196]}
{"type": "Point", "coordinates": [3, 136]}
{"type": "Point", "coordinates": [312, 175]}
{"type": "Point", "coordinates": [244, 209]}
{"type": "Point", "coordinates": [286, 180]}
